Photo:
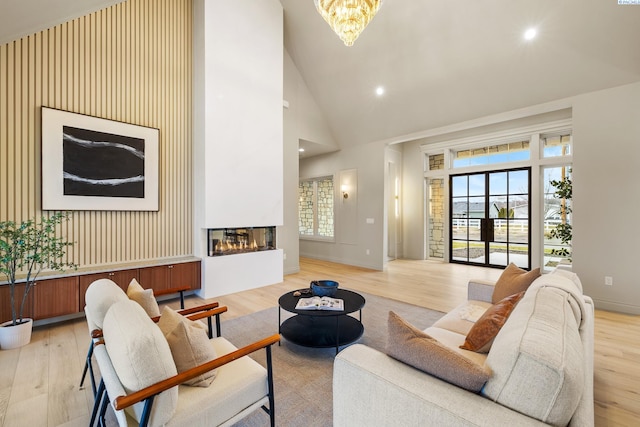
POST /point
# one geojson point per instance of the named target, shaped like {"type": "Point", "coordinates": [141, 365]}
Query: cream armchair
{"type": "Point", "coordinates": [102, 293]}
{"type": "Point", "coordinates": [141, 382]}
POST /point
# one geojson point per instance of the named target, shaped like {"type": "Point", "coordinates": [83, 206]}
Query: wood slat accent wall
{"type": "Point", "coordinates": [131, 62]}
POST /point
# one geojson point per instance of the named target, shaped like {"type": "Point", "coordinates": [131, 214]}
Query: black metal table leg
{"type": "Point", "coordinates": [337, 334]}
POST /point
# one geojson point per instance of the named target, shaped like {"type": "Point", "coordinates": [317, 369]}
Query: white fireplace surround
{"type": "Point", "coordinates": [238, 135]}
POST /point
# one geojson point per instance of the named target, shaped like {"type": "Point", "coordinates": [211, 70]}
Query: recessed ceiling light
{"type": "Point", "coordinates": [530, 34]}
{"type": "Point", "coordinates": [380, 91]}
{"type": "Point", "coordinates": [301, 150]}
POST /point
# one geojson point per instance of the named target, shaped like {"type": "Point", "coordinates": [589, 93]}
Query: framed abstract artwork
{"type": "Point", "coordinates": [89, 163]}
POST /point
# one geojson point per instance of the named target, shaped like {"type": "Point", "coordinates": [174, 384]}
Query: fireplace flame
{"type": "Point", "coordinates": [241, 241]}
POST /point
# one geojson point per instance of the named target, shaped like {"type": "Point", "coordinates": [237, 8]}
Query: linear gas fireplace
{"type": "Point", "coordinates": [229, 241]}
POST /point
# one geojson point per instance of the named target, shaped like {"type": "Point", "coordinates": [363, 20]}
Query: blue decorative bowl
{"type": "Point", "coordinates": [324, 288]}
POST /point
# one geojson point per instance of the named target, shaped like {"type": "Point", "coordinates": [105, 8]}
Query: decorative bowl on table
{"type": "Point", "coordinates": [324, 288]}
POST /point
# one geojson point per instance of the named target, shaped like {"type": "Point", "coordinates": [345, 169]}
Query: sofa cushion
{"type": "Point", "coordinates": [454, 340]}
{"type": "Point", "coordinates": [462, 318]}
{"type": "Point", "coordinates": [140, 356]}
{"type": "Point", "coordinates": [512, 281]}
{"type": "Point", "coordinates": [413, 347]}
{"type": "Point", "coordinates": [483, 332]}
{"type": "Point", "coordinates": [99, 297]}
{"type": "Point", "coordinates": [537, 358]}
{"type": "Point", "coordinates": [189, 344]}
{"type": "Point", "coordinates": [144, 297]}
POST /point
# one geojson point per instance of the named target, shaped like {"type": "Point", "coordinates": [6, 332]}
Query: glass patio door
{"type": "Point", "coordinates": [490, 217]}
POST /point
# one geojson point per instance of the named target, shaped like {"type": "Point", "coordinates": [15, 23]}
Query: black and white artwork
{"type": "Point", "coordinates": [89, 163]}
{"type": "Point", "coordinates": [102, 164]}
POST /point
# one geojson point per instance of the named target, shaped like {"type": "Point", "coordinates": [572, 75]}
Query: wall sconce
{"type": "Point", "coordinates": [344, 189]}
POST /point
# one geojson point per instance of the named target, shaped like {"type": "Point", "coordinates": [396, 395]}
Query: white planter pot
{"type": "Point", "coordinates": [15, 336]}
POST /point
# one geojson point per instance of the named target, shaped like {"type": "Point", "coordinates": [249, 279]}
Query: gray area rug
{"type": "Point", "coordinates": [303, 376]}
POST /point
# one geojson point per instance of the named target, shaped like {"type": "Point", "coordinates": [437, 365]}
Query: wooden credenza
{"type": "Point", "coordinates": [64, 296]}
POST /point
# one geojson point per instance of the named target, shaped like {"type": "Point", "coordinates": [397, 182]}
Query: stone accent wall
{"type": "Point", "coordinates": [436, 218]}
{"type": "Point", "coordinates": [305, 208]}
{"type": "Point", "coordinates": [436, 209]}
{"type": "Point", "coordinates": [436, 162]}
{"type": "Point", "coordinates": [325, 207]}
{"type": "Point", "coordinates": [316, 194]}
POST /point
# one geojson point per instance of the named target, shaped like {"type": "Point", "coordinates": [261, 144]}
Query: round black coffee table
{"type": "Point", "coordinates": [322, 328]}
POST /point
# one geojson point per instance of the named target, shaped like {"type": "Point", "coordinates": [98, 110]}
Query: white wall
{"type": "Point", "coordinates": [369, 161]}
{"type": "Point", "coordinates": [413, 201]}
{"type": "Point", "coordinates": [240, 122]}
{"type": "Point", "coordinates": [238, 135]}
{"type": "Point", "coordinates": [393, 224]}
{"type": "Point", "coordinates": [606, 195]}
{"type": "Point", "coordinates": [288, 233]}
{"type": "Point", "coordinates": [303, 119]}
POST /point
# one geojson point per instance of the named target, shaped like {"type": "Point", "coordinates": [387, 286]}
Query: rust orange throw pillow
{"type": "Point", "coordinates": [512, 281]}
{"type": "Point", "coordinates": [484, 331]}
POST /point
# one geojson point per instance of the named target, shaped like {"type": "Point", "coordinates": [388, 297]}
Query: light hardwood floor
{"type": "Point", "coordinates": [39, 382]}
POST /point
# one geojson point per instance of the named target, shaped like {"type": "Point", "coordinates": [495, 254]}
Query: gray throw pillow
{"type": "Point", "coordinates": [413, 347]}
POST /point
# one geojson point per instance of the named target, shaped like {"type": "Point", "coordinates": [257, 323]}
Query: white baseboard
{"type": "Point", "coordinates": [339, 261]}
{"type": "Point", "coordinates": [616, 306]}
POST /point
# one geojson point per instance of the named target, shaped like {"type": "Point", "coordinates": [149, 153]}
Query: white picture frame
{"type": "Point", "coordinates": [90, 163]}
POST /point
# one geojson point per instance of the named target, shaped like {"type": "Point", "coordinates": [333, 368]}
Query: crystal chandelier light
{"type": "Point", "coordinates": [348, 17]}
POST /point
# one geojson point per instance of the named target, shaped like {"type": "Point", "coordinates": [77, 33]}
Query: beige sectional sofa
{"type": "Point", "coordinates": [541, 366]}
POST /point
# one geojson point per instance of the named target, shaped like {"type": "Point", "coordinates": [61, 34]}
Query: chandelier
{"type": "Point", "coordinates": [348, 18]}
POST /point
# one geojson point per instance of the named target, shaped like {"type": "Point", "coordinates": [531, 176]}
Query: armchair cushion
{"type": "Point", "coordinates": [189, 344]}
{"type": "Point", "coordinates": [140, 356]}
{"type": "Point", "coordinates": [239, 386]}
{"type": "Point", "coordinates": [144, 297]}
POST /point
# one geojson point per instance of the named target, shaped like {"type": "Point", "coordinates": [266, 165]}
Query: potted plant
{"type": "Point", "coordinates": [25, 250]}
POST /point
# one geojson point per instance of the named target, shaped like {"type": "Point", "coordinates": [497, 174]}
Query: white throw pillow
{"type": "Point", "coordinates": [144, 297]}
{"type": "Point", "coordinates": [189, 343]}
{"type": "Point", "coordinates": [140, 355]}
{"type": "Point", "coordinates": [99, 298]}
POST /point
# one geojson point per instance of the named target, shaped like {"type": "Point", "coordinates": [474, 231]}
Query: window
{"type": "Point", "coordinates": [546, 150]}
{"type": "Point", "coordinates": [491, 155]}
{"type": "Point", "coordinates": [557, 215]}
{"type": "Point", "coordinates": [556, 146]}
{"type": "Point", "coordinates": [315, 207]}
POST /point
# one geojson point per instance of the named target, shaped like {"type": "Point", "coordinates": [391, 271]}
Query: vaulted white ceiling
{"type": "Point", "coordinates": [443, 62]}
{"type": "Point", "coordinates": [440, 61]}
